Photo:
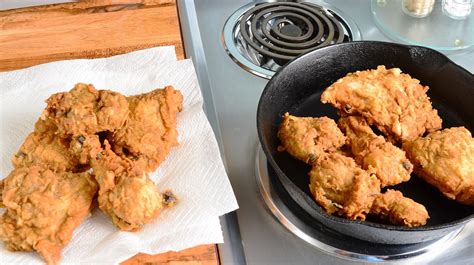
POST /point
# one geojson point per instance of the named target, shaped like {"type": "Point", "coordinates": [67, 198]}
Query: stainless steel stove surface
{"type": "Point", "coordinates": [232, 74]}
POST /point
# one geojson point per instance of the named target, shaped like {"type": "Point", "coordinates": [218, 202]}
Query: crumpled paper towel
{"type": "Point", "coordinates": [194, 170]}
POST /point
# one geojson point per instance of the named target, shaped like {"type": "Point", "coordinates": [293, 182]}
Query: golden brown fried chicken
{"type": "Point", "coordinates": [395, 102]}
{"type": "Point", "coordinates": [340, 186]}
{"type": "Point", "coordinates": [85, 148]}
{"type": "Point", "coordinates": [373, 153]}
{"type": "Point", "coordinates": [445, 159]}
{"type": "Point", "coordinates": [45, 201]}
{"type": "Point", "coordinates": [126, 193]}
{"type": "Point", "coordinates": [150, 131]}
{"type": "Point", "coordinates": [307, 138]}
{"type": "Point", "coordinates": [43, 208]}
{"type": "Point", "coordinates": [85, 110]}
{"type": "Point", "coordinates": [399, 210]}
{"type": "Point", "coordinates": [43, 146]}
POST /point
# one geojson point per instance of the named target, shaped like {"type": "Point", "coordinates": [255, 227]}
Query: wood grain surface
{"type": "Point", "coordinates": [94, 29]}
{"type": "Point", "coordinates": [88, 29]}
{"type": "Point", "coordinates": [200, 255]}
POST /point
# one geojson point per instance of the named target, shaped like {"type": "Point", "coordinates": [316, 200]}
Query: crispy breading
{"type": "Point", "coordinates": [85, 110]}
{"type": "Point", "coordinates": [340, 186]}
{"type": "Point", "coordinates": [308, 138]}
{"type": "Point", "coordinates": [46, 200]}
{"type": "Point", "coordinates": [399, 210]}
{"type": "Point", "coordinates": [150, 130]}
{"type": "Point", "coordinates": [395, 102]}
{"type": "Point", "coordinates": [373, 153]}
{"type": "Point", "coordinates": [84, 148]}
{"type": "Point", "coordinates": [43, 208]}
{"type": "Point", "coordinates": [43, 146]}
{"type": "Point", "coordinates": [445, 159]}
{"type": "Point", "coordinates": [126, 193]}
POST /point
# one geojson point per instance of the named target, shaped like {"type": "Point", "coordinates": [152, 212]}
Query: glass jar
{"type": "Point", "coordinates": [457, 9]}
{"type": "Point", "coordinates": [418, 8]}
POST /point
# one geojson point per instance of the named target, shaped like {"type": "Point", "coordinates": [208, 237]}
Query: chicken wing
{"type": "Point", "coordinates": [340, 186]}
{"type": "Point", "coordinates": [43, 208]}
{"type": "Point", "coordinates": [150, 131]}
{"type": "Point", "coordinates": [126, 193]}
{"type": "Point", "coordinates": [308, 138]}
{"type": "Point", "coordinates": [373, 153]}
{"type": "Point", "coordinates": [395, 102]}
{"type": "Point", "coordinates": [445, 159]}
{"type": "Point", "coordinates": [85, 110]}
{"type": "Point", "coordinates": [399, 210]}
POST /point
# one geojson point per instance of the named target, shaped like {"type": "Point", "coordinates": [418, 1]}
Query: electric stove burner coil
{"type": "Point", "coordinates": [286, 30]}
{"type": "Point", "coordinates": [263, 37]}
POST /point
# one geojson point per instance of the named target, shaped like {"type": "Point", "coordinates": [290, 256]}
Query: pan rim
{"type": "Point", "coordinates": [280, 174]}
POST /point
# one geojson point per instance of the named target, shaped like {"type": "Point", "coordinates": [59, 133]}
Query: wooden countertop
{"type": "Point", "coordinates": [94, 29]}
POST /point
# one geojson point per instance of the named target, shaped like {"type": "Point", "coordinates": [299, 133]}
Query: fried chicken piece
{"type": "Point", "coordinates": [399, 210]}
{"type": "Point", "coordinates": [340, 186]}
{"type": "Point", "coordinates": [308, 138]}
{"type": "Point", "coordinates": [373, 153]}
{"type": "Point", "coordinates": [395, 102]}
{"type": "Point", "coordinates": [43, 208]}
{"type": "Point", "coordinates": [85, 148]}
{"type": "Point", "coordinates": [85, 110]}
{"type": "Point", "coordinates": [445, 159]}
{"type": "Point", "coordinates": [126, 193]}
{"type": "Point", "coordinates": [44, 147]}
{"type": "Point", "coordinates": [150, 131]}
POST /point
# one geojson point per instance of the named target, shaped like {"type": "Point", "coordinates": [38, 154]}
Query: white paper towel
{"type": "Point", "coordinates": [194, 171]}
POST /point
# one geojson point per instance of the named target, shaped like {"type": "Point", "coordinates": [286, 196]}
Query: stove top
{"type": "Point", "coordinates": [231, 92]}
{"type": "Point", "coordinates": [263, 37]}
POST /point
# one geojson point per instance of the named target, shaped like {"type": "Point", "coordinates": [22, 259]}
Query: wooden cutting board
{"type": "Point", "coordinates": [88, 29]}
{"type": "Point", "coordinates": [94, 29]}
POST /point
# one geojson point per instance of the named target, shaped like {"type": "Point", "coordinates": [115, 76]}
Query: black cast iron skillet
{"type": "Point", "coordinates": [297, 87]}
